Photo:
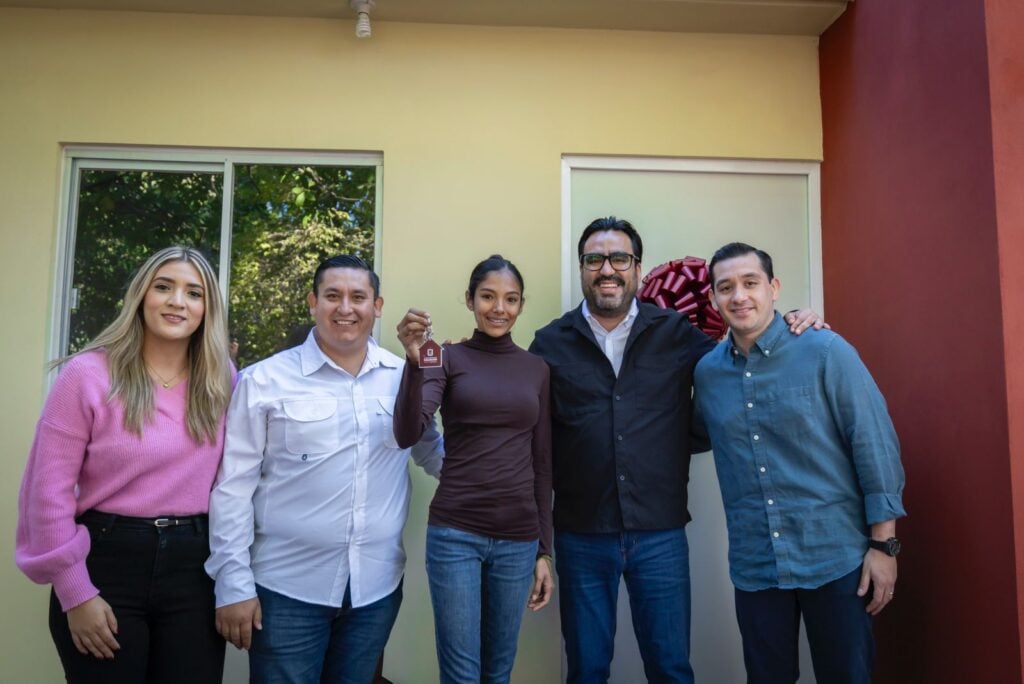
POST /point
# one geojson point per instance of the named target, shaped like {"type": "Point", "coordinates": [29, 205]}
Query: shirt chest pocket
{"type": "Point", "coordinates": [575, 391]}
{"type": "Point", "coordinates": [384, 413]}
{"type": "Point", "coordinates": [790, 410]}
{"type": "Point", "coordinates": [311, 426]}
{"type": "Point", "coordinates": [659, 383]}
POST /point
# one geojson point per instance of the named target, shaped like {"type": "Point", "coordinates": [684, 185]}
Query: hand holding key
{"type": "Point", "coordinates": [414, 332]}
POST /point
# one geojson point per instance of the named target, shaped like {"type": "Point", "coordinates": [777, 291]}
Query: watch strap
{"type": "Point", "coordinates": [890, 547]}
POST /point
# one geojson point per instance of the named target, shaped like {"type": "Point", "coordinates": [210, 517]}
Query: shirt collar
{"type": "Point", "coordinates": [625, 324]}
{"type": "Point", "coordinates": [312, 357]}
{"type": "Point", "coordinates": [768, 340]}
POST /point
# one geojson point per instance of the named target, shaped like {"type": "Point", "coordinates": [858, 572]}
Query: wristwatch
{"type": "Point", "coordinates": [890, 547]}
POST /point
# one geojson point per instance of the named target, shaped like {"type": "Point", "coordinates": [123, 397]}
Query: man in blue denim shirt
{"type": "Point", "coordinates": [809, 467]}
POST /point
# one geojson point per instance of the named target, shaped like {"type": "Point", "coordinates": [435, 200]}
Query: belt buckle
{"type": "Point", "coordinates": [164, 522]}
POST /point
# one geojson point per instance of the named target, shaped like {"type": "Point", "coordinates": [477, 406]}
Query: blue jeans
{"type": "Point", "coordinates": [838, 631]}
{"type": "Point", "coordinates": [478, 587]}
{"type": "Point", "coordinates": [308, 643]}
{"type": "Point", "coordinates": [655, 566]}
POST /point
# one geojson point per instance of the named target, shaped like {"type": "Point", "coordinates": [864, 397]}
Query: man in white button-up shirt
{"type": "Point", "coordinates": [306, 516]}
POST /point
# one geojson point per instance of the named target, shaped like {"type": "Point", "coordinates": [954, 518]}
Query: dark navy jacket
{"type": "Point", "coordinates": [621, 446]}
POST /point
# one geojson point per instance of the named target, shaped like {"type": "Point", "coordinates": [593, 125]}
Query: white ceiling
{"type": "Point", "coordinates": [790, 17]}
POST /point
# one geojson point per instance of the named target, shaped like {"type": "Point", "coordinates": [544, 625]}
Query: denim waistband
{"type": "Point", "coordinates": [112, 520]}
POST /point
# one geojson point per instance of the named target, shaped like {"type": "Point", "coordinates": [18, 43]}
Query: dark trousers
{"type": "Point", "coordinates": [154, 581]}
{"type": "Point", "coordinates": [838, 631]}
{"type": "Point", "coordinates": [655, 567]}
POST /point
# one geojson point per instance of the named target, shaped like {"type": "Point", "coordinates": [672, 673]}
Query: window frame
{"type": "Point", "coordinates": [75, 158]}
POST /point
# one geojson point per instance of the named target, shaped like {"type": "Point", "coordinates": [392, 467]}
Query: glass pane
{"type": "Point", "coordinates": [286, 220]}
{"type": "Point", "coordinates": [124, 216]}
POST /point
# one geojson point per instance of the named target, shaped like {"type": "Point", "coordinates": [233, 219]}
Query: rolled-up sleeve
{"type": "Point", "coordinates": [860, 412]}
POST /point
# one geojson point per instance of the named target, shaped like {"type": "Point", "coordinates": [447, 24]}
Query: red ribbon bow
{"type": "Point", "coordinates": [684, 285]}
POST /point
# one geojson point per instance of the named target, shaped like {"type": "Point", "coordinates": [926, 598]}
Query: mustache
{"type": "Point", "coordinates": [610, 279]}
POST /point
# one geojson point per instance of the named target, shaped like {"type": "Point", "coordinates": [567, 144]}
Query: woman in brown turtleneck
{"type": "Point", "coordinates": [489, 533]}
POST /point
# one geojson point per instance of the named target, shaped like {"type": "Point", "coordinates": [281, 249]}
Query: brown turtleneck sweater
{"type": "Point", "coordinates": [493, 396]}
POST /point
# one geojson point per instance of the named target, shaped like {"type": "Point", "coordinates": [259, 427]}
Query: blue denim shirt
{"type": "Point", "coordinates": [806, 454]}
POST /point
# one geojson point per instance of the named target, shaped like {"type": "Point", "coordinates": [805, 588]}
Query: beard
{"type": "Point", "coordinates": [609, 306]}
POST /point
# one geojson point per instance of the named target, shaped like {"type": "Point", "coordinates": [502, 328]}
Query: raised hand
{"type": "Point", "coordinates": [412, 332]}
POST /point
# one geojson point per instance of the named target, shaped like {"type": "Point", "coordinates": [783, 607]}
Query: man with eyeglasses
{"type": "Point", "coordinates": [621, 387]}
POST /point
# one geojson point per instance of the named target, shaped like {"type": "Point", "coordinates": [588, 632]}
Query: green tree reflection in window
{"type": "Point", "coordinates": [285, 220]}
{"type": "Point", "coordinates": [123, 216]}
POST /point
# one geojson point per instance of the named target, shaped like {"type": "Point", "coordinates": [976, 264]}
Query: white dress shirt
{"type": "Point", "coordinates": [613, 342]}
{"type": "Point", "coordinates": [313, 490]}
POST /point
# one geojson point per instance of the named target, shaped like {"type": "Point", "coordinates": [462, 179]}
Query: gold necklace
{"type": "Point", "coordinates": [166, 383]}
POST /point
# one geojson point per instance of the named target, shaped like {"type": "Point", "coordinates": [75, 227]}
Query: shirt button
{"type": "Point", "coordinates": [763, 469]}
{"type": "Point", "coordinates": [750, 404]}
{"type": "Point", "coordinates": [305, 456]}
{"type": "Point", "coordinates": [775, 534]}
{"type": "Point", "coordinates": [767, 352]}
{"type": "Point", "coordinates": [747, 374]}
{"type": "Point", "coordinates": [619, 438]}
{"type": "Point", "coordinates": [771, 502]}
{"type": "Point", "coordinates": [618, 397]}
{"type": "Point", "coordinates": [622, 478]}
{"type": "Point", "coordinates": [757, 438]}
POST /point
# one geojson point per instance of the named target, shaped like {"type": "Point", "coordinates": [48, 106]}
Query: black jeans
{"type": "Point", "coordinates": [154, 581]}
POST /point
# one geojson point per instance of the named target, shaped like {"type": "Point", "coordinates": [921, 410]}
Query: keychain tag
{"type": "Point", "coordinates": [430, 352]}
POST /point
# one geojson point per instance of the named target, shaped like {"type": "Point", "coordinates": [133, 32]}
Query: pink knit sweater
{"type": "Point", "coordinates": [81, 440]}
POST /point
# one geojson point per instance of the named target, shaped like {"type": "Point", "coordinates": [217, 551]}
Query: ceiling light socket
{"type": "Point", "coordinates": [363, 8]}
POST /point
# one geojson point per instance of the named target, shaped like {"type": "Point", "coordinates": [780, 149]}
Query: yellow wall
{"type": "Point", "coordinates": [472, 123]}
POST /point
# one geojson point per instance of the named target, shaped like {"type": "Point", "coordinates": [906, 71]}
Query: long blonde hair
{"type": "Point", "coordinates": [209, 380]}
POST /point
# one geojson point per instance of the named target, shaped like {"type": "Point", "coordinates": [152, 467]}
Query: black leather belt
{"type": "Point", "coordinates": [110, 520]}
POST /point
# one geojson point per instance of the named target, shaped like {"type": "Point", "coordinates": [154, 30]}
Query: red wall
{"type": "Point", "coordinates": [911, 233]}
{"type": "Point", "coordinates": [1005, 26]}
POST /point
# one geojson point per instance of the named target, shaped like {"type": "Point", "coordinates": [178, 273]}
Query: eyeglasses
{"type": "Point", "coordinates": [620, 261]}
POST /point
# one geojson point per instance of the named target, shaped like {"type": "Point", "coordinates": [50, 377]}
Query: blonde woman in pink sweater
{"type": "Point", "coordinates": [112, 509]}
